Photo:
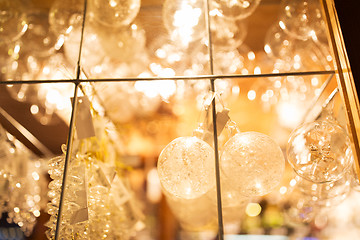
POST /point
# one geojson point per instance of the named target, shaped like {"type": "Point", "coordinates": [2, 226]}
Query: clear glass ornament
{"type": "Point", "coordinates": [123, 44]}
{"type": "Point", "coordinates": [97, 202]}
{"type": "Point", "coordinates": [164, 52]}
{"type": "Point", "coordinates": [302, 19]}
{"type": "Point", "coordinates": [114, 13]}
{"type": "Point", "coordinates": [227, 34]}
{"type": "Point", "coordinates": [252, 163]}
{"type": "Point", "coordinates": [92, 51]}
{"type": "Point", "coordinates": [39, 40]}
{"type": "Point", "coordinates": [74, 202]}
{"type": "Point", "coordinates": [12, 21]}
{"type": "Point", "coordinates": [99, 215]}
{"type": "Point", "coordinates": [186, 167]}
{"type": "Point", "coordinates": [184, 20]}
{"type": "Point", "coordinates": [320, 151]}
{"type": "Point", "coordinates": [237, 9]}
{"type": "Point", "coordinates": [64, 15]}
{"type": "Point", "coordinates": [296, 54]}
{"type": "Point", "coordinates": [278, 44]}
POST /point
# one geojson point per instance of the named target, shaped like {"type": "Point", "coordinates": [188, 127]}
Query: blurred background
{"type": "Point", "coordinates": [127, 119]}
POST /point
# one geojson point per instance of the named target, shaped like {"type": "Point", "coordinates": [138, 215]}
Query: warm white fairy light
{"type": "Point", "coordinates": [251, 55]}
{"type": "Point", "coordinates": [251, 95]}
{"type": "Point", "coordinates": [253, 209]}
{"type": "Point", "coordinates": [267, 48]}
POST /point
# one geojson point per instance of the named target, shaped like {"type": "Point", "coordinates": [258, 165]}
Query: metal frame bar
{"type": "Point", "coordinates": [71, 129]}
{"type": "Point", "coordinates": [215, 135]}
{"type": "Point", "coordinates": [67, 160]}
{"type": "Point", "coordinates": [345, 78]}
{"type": "Point", "coordinates": [198, 77]}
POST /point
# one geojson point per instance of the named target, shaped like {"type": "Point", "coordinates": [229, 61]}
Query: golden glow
{"type": "Point", "coordinates": [282, 25]}
{"type": "Point", "coordinates": [251, 55]}
{"type": "Point", "coordinates": [16, 49]}
{"type": "Point", "coordinates": [112, 3]}
{"type": "Point", "coordinates": [36, 176]}
{"type": "Point", "coordinates": [11, 150]}
{"type": "Point", "coordinates": [36, 213]}
{"type": "Point", "coordinates": [185, 19]}
{"type": "Point", "coordinates": [267, 48]}
{"type": "Point", "coordinates": [34, 109]}
{"type": "Point", "coordinates": [292, 182]}
{"type": "Point", "coordinates": [60, 42]}
{"type": "Point", "coordinates": [37, 198]}
{"type": "Point", "coordinates": [283, 190]}
{"type": "Point", "coordinates": [134, 27]}
{"type": "Point", "coordinates": [251, 95]}
{"type": "Point", "coordinates": [152, 89]}
{"type": "Point", "coordinates": [253, 209]}
{"type": "Point", "coordinates": [314, 81]}
{"type": "Point", "coordinates": [290, 114]}
{"type": "Point", "coordinates": [257, 70]}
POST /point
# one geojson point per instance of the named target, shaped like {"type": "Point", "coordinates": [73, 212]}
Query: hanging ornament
{"type": "Point", "coordinates": [227, 34]}
{"type": "Point", "coordinates": [97, 201]}
{"type": "Point", "coordinates": [237, 9]}
{"type": "Point", "coordinates": [252, 163]}
{"type": "Point", "coordinates": [38, 40]}
{"type": "Point", "coordinates": [122, 44]}
{"type": "Point", "coordinates": [320, 151]}
{"type": "Point", "coordinates": [64, 15]}
{"type": "Point", "coordinates": [114, 13]}
{"type": "Point", "coordinates": [186, 167]}
{"type": "Point", "coordinates": [92, 52]}
{"type": "Point", "coordinates": [12, 21]}
{"type": "Point", "coordinates": [302, 19]}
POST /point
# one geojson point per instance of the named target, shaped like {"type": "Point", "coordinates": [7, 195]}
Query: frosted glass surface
{"type": "Point", "coordinates": [186, 167]}
{"type": "Point", "coordinates": [252, 163]}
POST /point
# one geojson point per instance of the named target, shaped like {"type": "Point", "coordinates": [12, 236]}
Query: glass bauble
{"type": "Point", "coordinates": [252, 163]}
{"type": "Point", "coordinates": [320, 151]}
{"type": "Point", "coordinates": [186, 167]}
